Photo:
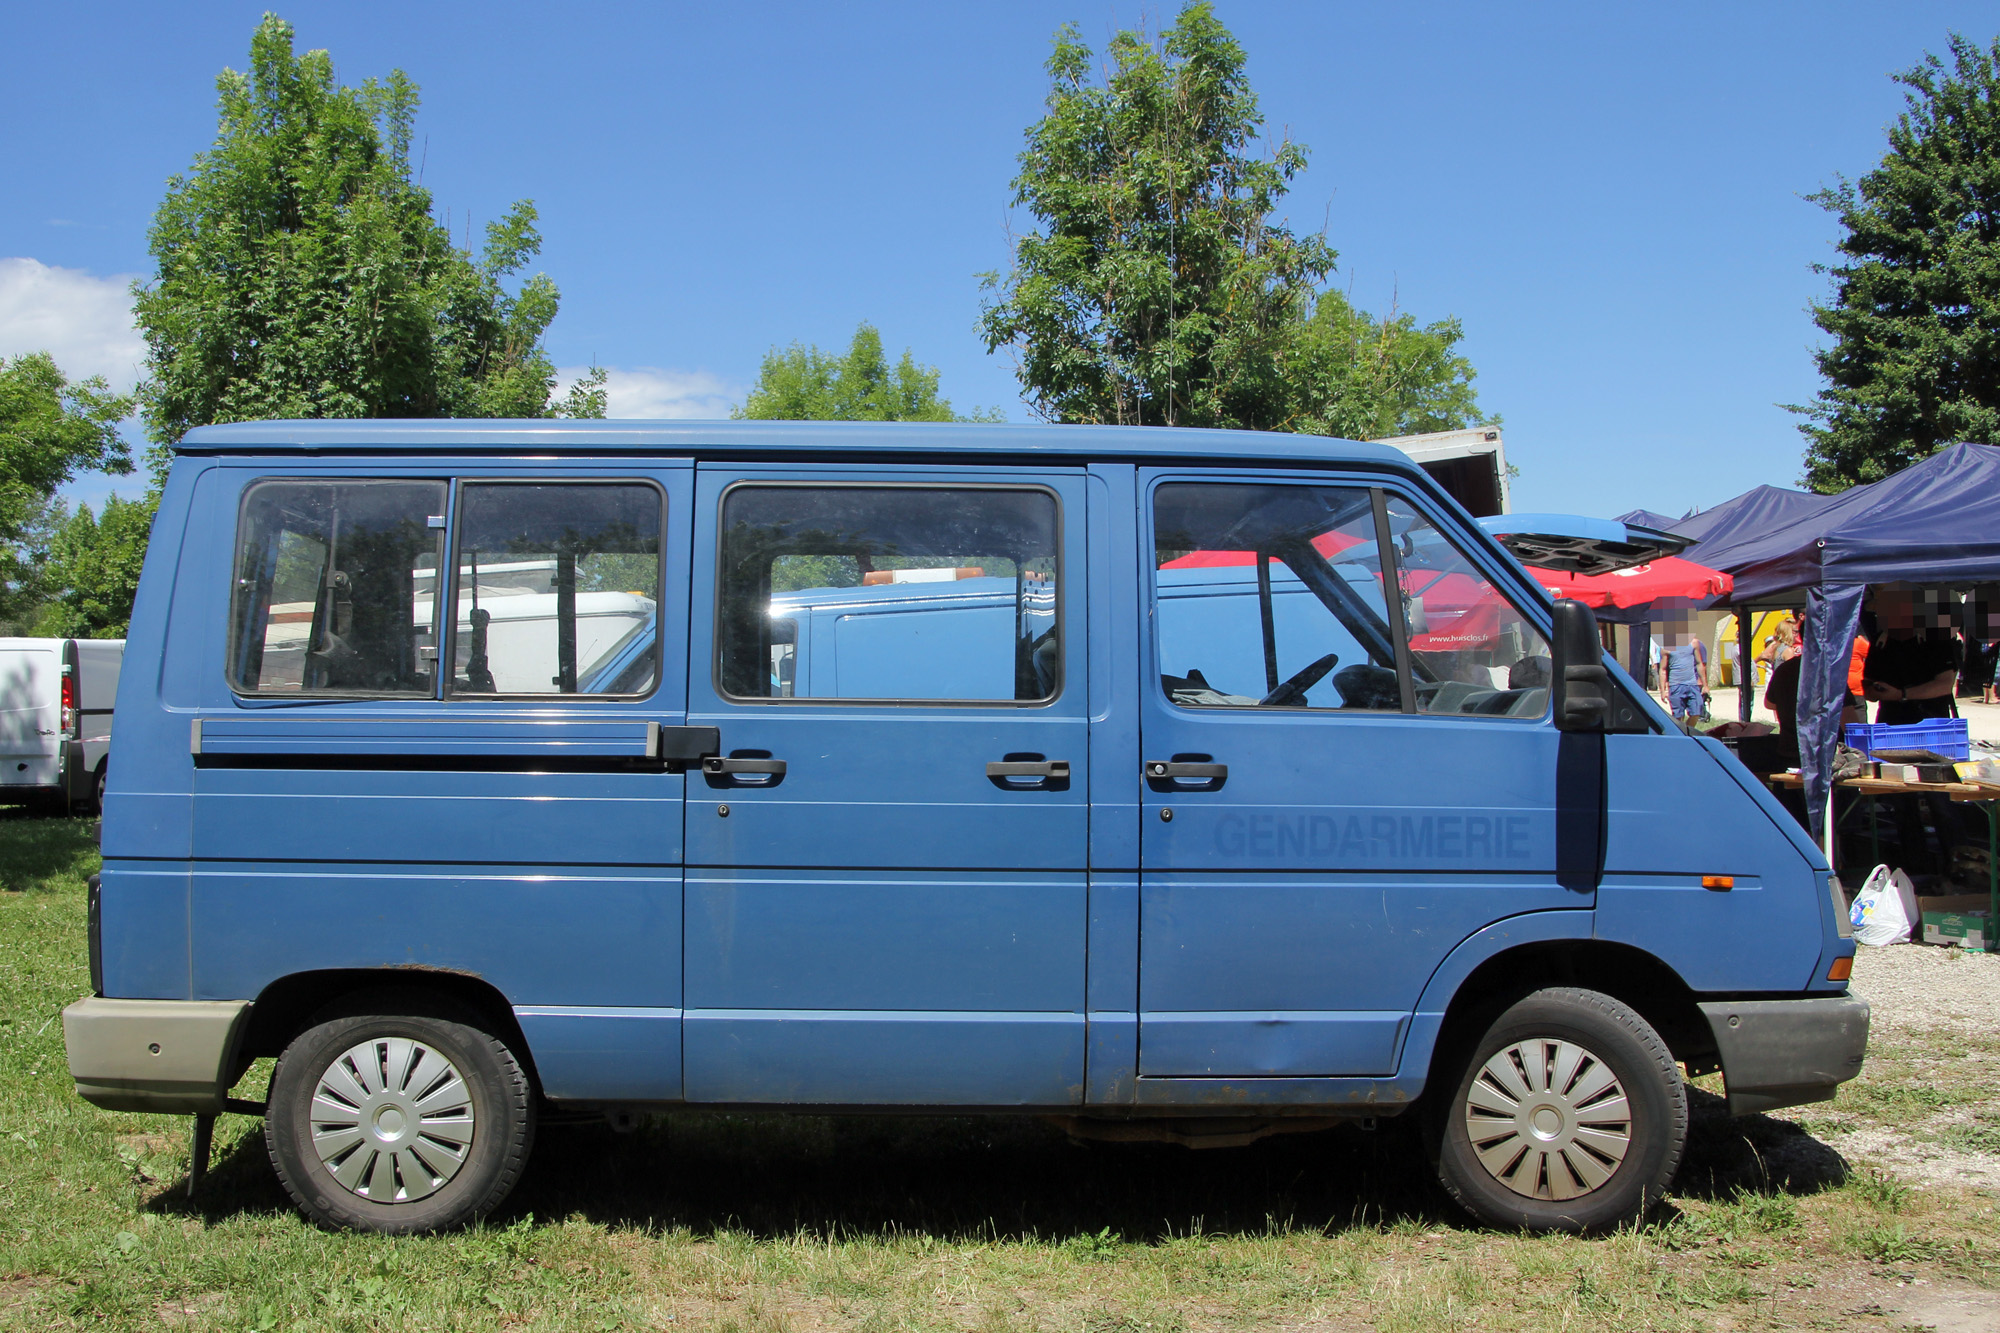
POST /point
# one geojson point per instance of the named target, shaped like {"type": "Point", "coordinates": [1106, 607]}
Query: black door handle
{"type": "Point", "coordinates": [1046, 768]}
{"type": "Point", "coordinates": [721, 771]}
{"type": "Point", "coordinates": [1029, 772]}
{"type": "Point", "coordinates": [1196, 774]}
{"type": "Point", "coordinates": [1157, 768]}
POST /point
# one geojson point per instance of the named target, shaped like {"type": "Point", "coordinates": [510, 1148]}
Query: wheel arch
{"type": "Point", "coordinates": [1497, 966]}
{"type": "Point", "coordinates": [290, 1004]}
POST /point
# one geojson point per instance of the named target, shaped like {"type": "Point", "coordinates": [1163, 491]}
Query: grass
{"type": "Point", "coordinates": [772, 1225]}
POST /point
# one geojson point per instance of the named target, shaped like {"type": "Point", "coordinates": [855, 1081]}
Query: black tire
{"type": "Point", "coordinates": [492, 1086]}
{"type": "Point", "coordinates": [97, 787]}
{"type": "Point", "coordinates": [1563, 1135]}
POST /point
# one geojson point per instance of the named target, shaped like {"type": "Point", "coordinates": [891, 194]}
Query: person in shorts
{"type": "Point", "coordinates": [1684, 680]}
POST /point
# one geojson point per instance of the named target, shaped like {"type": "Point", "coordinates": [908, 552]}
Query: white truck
{"type": "Point", "coordinates": [55, 717]}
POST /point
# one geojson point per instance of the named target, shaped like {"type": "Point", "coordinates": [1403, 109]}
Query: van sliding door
{"type": "Point", "coordinates": [886, 861]}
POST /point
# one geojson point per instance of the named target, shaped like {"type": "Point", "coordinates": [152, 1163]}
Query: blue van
{"type": "Point", "coordinates": [1188, 785]}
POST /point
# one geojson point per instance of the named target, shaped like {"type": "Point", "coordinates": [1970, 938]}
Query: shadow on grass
{"type": "Point", "coordinates": [39, 849]}
{"type": "Point", "coordinates": [1754, 1153]}
{"type": "Point", "coordinates": [967, 1179]}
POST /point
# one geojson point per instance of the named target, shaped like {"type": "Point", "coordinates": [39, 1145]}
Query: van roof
{"type": "Point", "coordinates": [782, 437]}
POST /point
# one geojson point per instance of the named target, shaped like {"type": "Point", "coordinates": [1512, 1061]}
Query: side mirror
{"type": "Point", "coordinates": [1586, 699]}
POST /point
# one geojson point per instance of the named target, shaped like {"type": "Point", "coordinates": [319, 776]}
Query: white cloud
{"type": "Point", "coordinates": [84, 321]}
{"type": "Point", "coordinates": [648, 393]}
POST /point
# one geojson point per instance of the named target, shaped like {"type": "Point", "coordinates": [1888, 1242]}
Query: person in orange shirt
{"type": "Point", "coordinates": [1855, 662]}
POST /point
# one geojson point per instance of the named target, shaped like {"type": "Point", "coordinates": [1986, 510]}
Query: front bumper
{"type": "Point", "coordinates": [1787, 1052]}
{"type": "Point", "coordinates": [176, 1057]}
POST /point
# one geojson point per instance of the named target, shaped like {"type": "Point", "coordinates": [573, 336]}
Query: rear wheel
{"type": "Point", "coordinates": [1569, 1115]}
{"type": "Point", "coordinates": [398, 1122]}
{"type": "Point", "coordinates": [97, 787]}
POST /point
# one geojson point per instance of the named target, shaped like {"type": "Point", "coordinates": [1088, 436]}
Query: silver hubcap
{"type": "Point", "coordinates": [392, 1120]}
{"type": "Point", "coordinates": [1548, 1119]}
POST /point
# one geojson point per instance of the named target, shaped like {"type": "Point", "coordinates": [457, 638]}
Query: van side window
{"type": "Point", "coordinates": [1271, 596]}
{"type": "Point", "coordinates": [1472, 650]}
{"type": "Point", "coordinates": [888, 592]}
{"type": "Point", "coordinates": [558, 588]}
{"type": "Point", "coordinates": [335, 588]}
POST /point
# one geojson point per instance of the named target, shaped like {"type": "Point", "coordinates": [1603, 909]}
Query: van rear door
{"type": "Point", "coordinates": [30, 712]}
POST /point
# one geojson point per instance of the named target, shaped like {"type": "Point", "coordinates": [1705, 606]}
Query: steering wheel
{"type": "Point", "coordinates": [1294, 690]}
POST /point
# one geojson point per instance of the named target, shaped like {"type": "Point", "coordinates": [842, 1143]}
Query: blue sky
{"type": "Point", "coordinates": [1609, 197]}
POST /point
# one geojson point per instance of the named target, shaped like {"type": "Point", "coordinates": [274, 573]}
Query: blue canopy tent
{"type": "Point", "coordinates": [1937, 522]}
{"type": "Point", "coordinates": [1715, 532]}
{"type": "Point", "coordinates": [1750, 516]}
{"type": "Point", "coordinates": [1646, 518]}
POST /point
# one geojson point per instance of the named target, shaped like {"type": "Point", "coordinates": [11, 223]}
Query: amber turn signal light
{"type": "Point", "coordinates": [1718, 881]}
{"type": "Point", "coordinates": [1842, 969]}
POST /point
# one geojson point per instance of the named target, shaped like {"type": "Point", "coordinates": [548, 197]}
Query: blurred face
{"type": "Point", "coordinates": [1899, 609]}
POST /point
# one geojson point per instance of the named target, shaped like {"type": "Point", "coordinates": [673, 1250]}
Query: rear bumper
{"type": "Point", "coordinates": [1787, 1052]}
{"type": "Point", "coordinates": [176, 1057]}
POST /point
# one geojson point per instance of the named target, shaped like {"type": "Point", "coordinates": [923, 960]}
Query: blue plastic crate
{"type": "Point", "coordinates": [1947, 736]}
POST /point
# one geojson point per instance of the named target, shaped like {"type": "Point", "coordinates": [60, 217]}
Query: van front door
{"type": "Point", "coordinates": [886, 861]}
{"type": "Point", "coordinates": [1346, 774]}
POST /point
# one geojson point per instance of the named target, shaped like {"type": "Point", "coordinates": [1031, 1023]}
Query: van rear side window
{"type": "Point", "coordinates": [904, 593]}
{"type": "Point", "coordinates": [335, 588]}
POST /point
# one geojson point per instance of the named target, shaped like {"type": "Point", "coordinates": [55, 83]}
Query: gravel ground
{"type": "Point", "coordinates": [1917, 987]}
{"type": "Point", "coordinates": [1930, 999]}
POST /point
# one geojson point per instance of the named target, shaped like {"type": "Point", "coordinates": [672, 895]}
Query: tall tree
{"type": "Point", "coordinates": [1361, 378]}
{"type": "Point", "coordinates": [1158, 289]}
{"type": "Point", "coordinates": [1915, 316]}
{"type": "Point", "coordinates": [301, 272]}
{"type": "Point", "coordinates": [50, 429]}
{"type": "Point", "coordinates": [803, 383]}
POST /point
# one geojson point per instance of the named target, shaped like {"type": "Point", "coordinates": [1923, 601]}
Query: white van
{"type": "Point", "coordinates": [55, 717]}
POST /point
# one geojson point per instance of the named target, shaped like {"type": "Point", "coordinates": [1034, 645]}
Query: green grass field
{"type": "Point", "coordinates": [725, 1222]}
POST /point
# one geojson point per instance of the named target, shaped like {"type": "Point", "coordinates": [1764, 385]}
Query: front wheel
{"type": "Point", "coordinates": [1570, 1115]}
{"type": "Point", "coordinates": [398, 1122]}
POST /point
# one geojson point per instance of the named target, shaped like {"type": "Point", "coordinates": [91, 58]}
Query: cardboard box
{"type": "Point", "coordinates": [1967, 930]}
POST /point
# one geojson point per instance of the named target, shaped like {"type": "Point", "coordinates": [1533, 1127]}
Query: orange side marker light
{"type": "Point", "coordinates": [1718, 881]}
{"type": "Point", "coordinates": [1841, 970]}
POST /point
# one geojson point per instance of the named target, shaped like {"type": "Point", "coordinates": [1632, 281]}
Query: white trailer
{"type": "Point", "coordinates": [56, 697]}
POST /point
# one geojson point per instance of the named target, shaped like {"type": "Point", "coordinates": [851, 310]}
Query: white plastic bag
{"type": "Point", "coordinates": [1885, 909]}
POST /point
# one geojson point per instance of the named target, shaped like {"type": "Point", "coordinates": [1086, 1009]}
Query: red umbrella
{"type": "Point", "coordinates": [1668, 579]}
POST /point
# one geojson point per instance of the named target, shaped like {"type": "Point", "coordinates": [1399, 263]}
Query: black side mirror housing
{"type": "Point", "coordinates": [1585, 696]}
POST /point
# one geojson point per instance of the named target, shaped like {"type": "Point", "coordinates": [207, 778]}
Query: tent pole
{"type": "Point", "coordinates": [1746, 670]}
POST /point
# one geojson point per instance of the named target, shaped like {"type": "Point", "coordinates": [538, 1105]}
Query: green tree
{"type": "Point", "coordinates": [50, 429]}
{"type": "Point", "coordinates": [1158, 289]}
{"type": "Point", "coordinates": [803, 383]}
{"type": "Point", "coordinates": [92, 569]}
{"type": "Point", "coordinates": [1915, 316]}
{"type": "Point", "coordinates": [1361, 378]}
{"type": "Point", "coordinates": [301, 272]}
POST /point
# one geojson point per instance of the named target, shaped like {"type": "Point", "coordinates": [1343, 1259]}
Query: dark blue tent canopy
{"type": "Point", "coordinates": [1752, 516]}
{"type": "Point", "coordinates": [1646, 518]}
{"type": "Point", "coordinates": [1936, 522]}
